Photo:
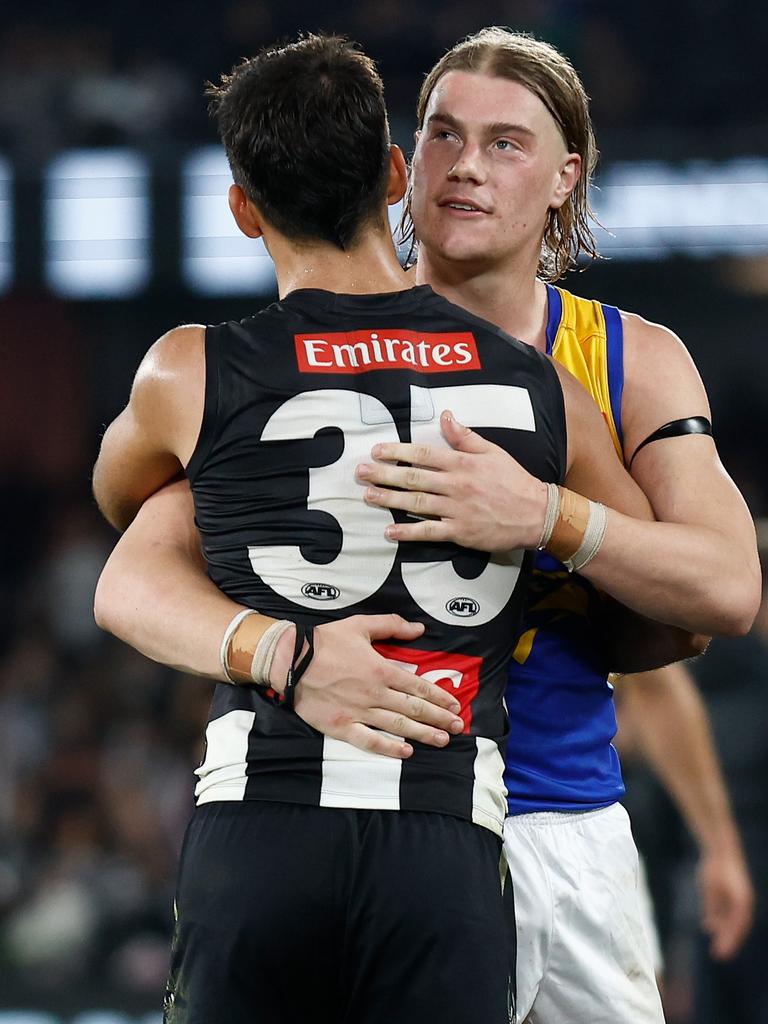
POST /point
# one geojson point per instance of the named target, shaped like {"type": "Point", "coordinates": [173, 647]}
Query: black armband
{"type": "Point", "coordinates": [676, 428]}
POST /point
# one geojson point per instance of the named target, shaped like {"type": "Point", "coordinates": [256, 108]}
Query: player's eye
{"type": "Point", "coordinates": [504, 145]}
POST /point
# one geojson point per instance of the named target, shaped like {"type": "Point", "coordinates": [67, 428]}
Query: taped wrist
{"type": "Point", "coordinates": [577, 528]}
{"type": "Point", "coordinates": [248, 648]}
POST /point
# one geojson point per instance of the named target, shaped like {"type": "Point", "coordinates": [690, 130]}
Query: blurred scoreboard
{"type": "Point", "coordinates": [102, 236]}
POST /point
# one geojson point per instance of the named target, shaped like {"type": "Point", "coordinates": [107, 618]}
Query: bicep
{"type": "Point", "coordinates": [131, 466]}
{"type": "Point", "coordinates": [683, 477]}
{"type": "Point", "coordinates": [593, 467]}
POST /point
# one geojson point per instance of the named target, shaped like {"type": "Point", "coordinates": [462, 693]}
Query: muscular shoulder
{"type": "Point", "coordinates": [170, 384]}
{"type": "Point", "coordinates": [179, 352]}
{"type": "Point", "coordinates": [661, 382]}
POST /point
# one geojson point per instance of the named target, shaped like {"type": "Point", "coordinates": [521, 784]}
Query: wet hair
{"type": "Point", "coordinates": [305, 130]}
{"type": "Point", "coordinates": [548, 74]}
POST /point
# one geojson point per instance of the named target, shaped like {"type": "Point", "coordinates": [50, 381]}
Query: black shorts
{"type": "Point", "coordinates": [290, 914]}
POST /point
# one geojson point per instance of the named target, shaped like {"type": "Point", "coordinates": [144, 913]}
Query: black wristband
{"type": "Point", "coordinates": [299, 663]}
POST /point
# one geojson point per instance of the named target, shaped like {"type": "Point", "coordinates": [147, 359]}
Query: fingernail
{"type": "Point", "coordinates": [376, 451]}
{"type": "Point", "coordinates": [371, 494]}
{"type": "Point", "coordinates": [363, 469]}
{"type": "Point", "coordinates": [406, 750]}
{"type": "Point", "coordinates": [457, 727]}
{"type": "Point", "coordinates": [442, 738]}
{"type": "Point", "coordinates": [390, 533]}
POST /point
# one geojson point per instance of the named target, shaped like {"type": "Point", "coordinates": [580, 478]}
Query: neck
{"type": "Point", "coordinates": [370, 266]}
{"type": "Point", "coordinates": [508, 295]}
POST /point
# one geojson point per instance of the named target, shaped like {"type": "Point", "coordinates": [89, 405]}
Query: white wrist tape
{"type": "Point", "coordinates": [225, 640]}
{"type": "Point", "coordinates": [264, 655]}
{"type": "Point", "coordinates": [593, 538]}
{"type": "Point", "coordinates": [550, 518]}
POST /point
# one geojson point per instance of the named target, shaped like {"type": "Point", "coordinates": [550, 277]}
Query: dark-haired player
{"type": "Point", "coordinates": [282, 543]}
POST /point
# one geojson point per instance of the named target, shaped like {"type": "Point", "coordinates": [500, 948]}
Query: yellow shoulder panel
{"type": "Point", "coordinates": [580, 346]}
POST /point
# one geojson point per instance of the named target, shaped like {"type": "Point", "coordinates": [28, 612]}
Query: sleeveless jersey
{"type": "Point", "coordinates": [295, 398]}
{"type": "Point", "coordinates": [562, 719]}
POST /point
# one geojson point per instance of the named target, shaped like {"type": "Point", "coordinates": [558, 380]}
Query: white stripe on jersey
{"type": "Point", "coordinates": [222, 774]}
{"type": "Point", "coordinates": [357, 778]}
{"type": "Point", "coordinates": [489, 794]}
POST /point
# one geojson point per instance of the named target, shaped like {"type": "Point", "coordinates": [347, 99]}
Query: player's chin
{"type": "Point", "coordinates": [465, 250]}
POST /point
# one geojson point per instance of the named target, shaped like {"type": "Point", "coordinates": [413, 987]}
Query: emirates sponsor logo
{"type": "Point", "coordinates": [363, 351]}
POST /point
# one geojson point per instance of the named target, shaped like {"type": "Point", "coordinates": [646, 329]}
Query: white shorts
{"type": "Point", "coordinates": [583, 954]}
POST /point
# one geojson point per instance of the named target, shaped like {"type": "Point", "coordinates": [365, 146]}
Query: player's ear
{"type": "Point", "coordinates": [567, 178]}
{"type": "Point", "coordinates": [398, 176]}
{"type": "Point", "coordinates": [246, 214]}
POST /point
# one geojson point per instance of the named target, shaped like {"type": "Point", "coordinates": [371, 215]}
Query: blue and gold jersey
{"type": "Point", "coordinates": [562, 719]}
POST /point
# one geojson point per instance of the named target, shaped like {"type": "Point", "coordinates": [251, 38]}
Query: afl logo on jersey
{"type": "Point", "coordinates": [320, 591]}
{"type": "Point", "coordinates": [464, 607]}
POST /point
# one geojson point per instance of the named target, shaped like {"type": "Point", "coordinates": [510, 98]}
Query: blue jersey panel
{"type": "Point", "coordinates": [561, 713]}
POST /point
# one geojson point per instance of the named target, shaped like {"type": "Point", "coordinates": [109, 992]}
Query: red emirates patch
{"type": "Point", "coordinates": [459, 674]}
{"type": "Point", "coordinates": [363, 351]}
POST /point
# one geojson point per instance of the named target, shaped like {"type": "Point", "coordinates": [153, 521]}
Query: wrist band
{"type": "Point", "coordinates": [225, 641]}
{"type": "Point", "coordinates": [593, 538]}
{"type": "Point", "coordinates": [550, 517]}
{"type": "Point", "coordinates": [578, 531]}
{"type": "Point", "coordinates": [247, 652]}
{"type": "Point", "coordinates": [264, 655]}
{"type": "Point", "coordinates": [570, 525]}
{"type": "Point", "coordinates": [299, 663]}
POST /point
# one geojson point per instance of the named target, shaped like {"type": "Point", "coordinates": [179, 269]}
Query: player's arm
{"type": "Point", "coordinates": [155, 594]}
{"type": "Point", "coordinates": [675, 572]}
{"type": "Point", "coordinates": [670, 722]}
{"type": "Point", "coordinates": [703, 514]}
{"type": "Point", "coordinates": [153, 438]}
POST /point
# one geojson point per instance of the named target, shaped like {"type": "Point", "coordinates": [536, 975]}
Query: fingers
{"type": "Point", "coordinates": [400, 725]}
{"type": "Point", "coordinates": [416, 502]}
{"type": "Point", "coordinates": [411, 478]}
{"type": "Point", "coordinates": [423, 700]}
{"type": "Point", "coordinates": [395, 627]}
{"type": "Point", "coordinates": [428, 529]}
{"type": "Point", "coordinates": [459, 437]}
{"type": "Point", "coordinates": [365, 738]}
{"type": "Point", "coordinates": [423, 711]}
{"type": "Point", "coordinates": [429, 456]}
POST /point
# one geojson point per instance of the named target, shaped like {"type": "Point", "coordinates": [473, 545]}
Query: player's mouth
{"type": "Point", "coordinates": [461, 207]}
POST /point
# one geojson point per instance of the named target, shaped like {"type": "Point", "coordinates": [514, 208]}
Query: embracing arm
{"type": "Point", "coordinates": [155, 594]}
{"type": "Point", "coordinates": [698, 566]}
{"type": "Point", "coordinates": [154, 591]}
{"type": "Point", "coordinates": [669, 719]}
{"type": "Point", "coordinates": [479, 496]}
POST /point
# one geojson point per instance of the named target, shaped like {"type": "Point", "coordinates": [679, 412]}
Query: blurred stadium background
{"type": "Point", "coordinates": [114, 227]}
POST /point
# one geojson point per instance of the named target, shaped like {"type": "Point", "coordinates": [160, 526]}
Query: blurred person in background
{"type": "Point", "coordinates": [558, 697]}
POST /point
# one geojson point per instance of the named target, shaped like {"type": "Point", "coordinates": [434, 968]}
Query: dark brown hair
{"type": "Point", "coordinates": [305, 130]}
{"type": "Point", "coordinates": [550, 76]}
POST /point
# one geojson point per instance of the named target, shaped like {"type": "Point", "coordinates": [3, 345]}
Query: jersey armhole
{"type": "Point", "coordinates": [614, 350]}
{"type": "Point", "coordinates": [210, 408]}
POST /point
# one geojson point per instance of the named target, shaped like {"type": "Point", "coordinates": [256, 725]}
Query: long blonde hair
{"type": "Point", "coordinates": [548, 74]}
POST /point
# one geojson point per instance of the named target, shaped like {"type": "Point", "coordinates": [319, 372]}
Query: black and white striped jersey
{"type": "Point", "coordinates": [295, 398]}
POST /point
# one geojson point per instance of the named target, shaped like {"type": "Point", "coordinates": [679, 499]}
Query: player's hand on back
{"type": "Point", "coordinates": [352, 693]}
{"type": "Point", "coordinates": [474, 493]}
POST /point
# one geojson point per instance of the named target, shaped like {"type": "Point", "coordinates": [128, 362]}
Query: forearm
{"type": "Point", "coordinates": [686, 576]}
{"type": "Point", "coordinates": [635, 643]}
{"type": "Point", "coordinates": [166, 607]}
{"type": "Point", "coordinates": [155, 594]}
{"type": "Point", "coordinates": [672, 727]}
